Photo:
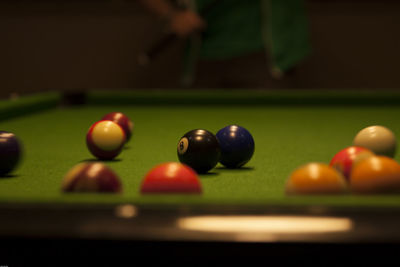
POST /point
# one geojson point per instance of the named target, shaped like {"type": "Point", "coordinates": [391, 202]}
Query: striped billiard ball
{"type": "Point", "coordinates": [94, 177]}
{"type": "Point", "coordinates": [171, 177]}
{"type": "Point", "coordinates": [10, 152]}
{"type": "Point", "coordinates": [122, 120]}
{"type": "Point", "coordinates": [105, 139]}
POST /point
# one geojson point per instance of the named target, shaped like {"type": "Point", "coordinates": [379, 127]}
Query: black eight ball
{"type": "Point", "coordinates": [199, 149]}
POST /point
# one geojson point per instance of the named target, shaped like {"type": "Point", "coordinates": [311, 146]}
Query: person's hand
{"type": "Point", "coordinates": [184, 23]}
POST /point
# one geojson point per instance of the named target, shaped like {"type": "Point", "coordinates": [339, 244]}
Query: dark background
{"type": "Point", "coordinates": [72, 45]}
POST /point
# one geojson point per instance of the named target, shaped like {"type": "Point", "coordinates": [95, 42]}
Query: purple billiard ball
{"type": "Point", "coordinates": [10, 152]}
{"type": "Point", "coordinates": [237, 146]}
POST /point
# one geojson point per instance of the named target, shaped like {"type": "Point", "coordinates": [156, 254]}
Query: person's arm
{"type": "Point", "coordinates": [180, 22]}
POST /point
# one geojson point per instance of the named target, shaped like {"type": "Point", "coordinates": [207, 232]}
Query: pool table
{"type": "Point", "coordinates": [238, 207]}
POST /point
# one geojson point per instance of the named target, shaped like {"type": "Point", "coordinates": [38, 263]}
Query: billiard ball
{"type": "Point", "coordinates": [123, 121]}
{"type": "Point", "coordinates": [376, 174]}
{"type": "Point", "coordinates": [237, 146]}
{"type": "Point", "coordinates": [378, 139]}
{"type": "Point", "coordinates": [316, 178]}
{"type": "Point", "coordinates": [171, 177]}
{"type": "Point", "coordinates": [91, 178]}
{"type": "Point", "coordinates": [10, 152]}
{"type": "Point", "coordinates": [199, 149]}
{"type": "Point", "coordinates": [347, 158]}
{"type": "Point", "coordinates": [105, 139]}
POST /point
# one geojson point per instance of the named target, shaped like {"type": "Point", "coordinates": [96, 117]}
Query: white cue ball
{"type": "Point", "coordinates": [378, 139]}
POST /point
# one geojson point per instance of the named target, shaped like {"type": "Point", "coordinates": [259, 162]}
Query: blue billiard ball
{"type": "Point", "coordinates": [237, 146]}
{"type": "Point", "coordinates": [10, 152]}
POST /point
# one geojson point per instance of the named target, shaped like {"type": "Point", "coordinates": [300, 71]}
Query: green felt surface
{"type": "Point", "coordinates": [286, 137]}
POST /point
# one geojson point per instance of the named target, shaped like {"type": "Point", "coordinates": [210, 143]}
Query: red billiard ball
{"type": "Point", "coordinates": [10, 152]}
{"type": "Point", "coordinates": [347, 158]}
{"type": "Point", "coordinates": [123, 121]}
{"type": "Point", "coordinates": [376, 174]}
{"type": "Point", "coordinates": [105, 139]}
{"type": "Point", "coordinates": [316, 178]}
{"type": "Point", "coordinates": [90, 178]}
{"type": "Point", "coordinates": [171, 177]}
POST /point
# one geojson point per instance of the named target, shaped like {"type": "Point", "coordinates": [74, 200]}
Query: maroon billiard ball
{"type": "Point", "coordinates": [105, 139]}
{"type": "Point", "coordinates": [345, 160]}
{"type": "Point", "coordinates": [10, 152]}
{"type": "Point", "coordinates": [171, 177]}
{"type": "Point", "coordinates": [123, 121]}
{"type": "Point", "coordinates": [91, 178]}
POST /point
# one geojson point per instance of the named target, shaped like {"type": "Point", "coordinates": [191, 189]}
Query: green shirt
{"type": "Point", "coordinates": [237, 27]}
{"type": "Point", "coordinates": [233, 28]}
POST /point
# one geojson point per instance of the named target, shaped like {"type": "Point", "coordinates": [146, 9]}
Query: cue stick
{"type": "Point", "coordinates": [146, 57]}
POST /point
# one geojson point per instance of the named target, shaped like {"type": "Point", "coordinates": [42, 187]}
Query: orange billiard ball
{"type": "Point", "coordinates": [171, 177]}
{"type": "Point", "coordinates": [347, 158]}
{"type": "Point", "coordinates": [316, 178]}
{"type": "Point", "coordinates": [377, 174]}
